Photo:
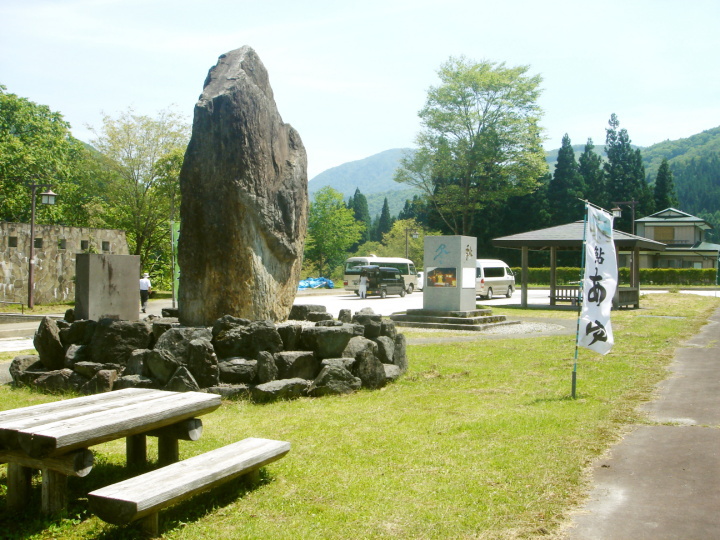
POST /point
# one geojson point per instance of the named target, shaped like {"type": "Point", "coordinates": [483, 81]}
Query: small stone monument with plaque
{"type": "Point", "coordinates": [449, 298]}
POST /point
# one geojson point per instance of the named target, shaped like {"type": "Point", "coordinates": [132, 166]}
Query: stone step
{"type": "Point", "coordinates": [450, 326]}
{"type": "Point", "coordinates": [487, 319]}
{"type": "Point", "coordinates": [439, 313]}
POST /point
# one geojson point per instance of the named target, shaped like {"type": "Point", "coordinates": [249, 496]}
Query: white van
{"type": "Point", "coordinates": [493, 277]}
{"type": "Point", "coordinates": [406, 268]}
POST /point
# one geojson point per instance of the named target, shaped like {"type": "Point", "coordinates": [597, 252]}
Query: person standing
{"type": "Point", "coordinates": [145, 288]}
{"type": "Point", "coordinates": [362, 287]}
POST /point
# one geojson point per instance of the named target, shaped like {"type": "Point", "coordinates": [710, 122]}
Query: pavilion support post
{"type": "Point", "coordinates": [553, 274]}
{"type": "Point", "coordinates": [524, 279]}
{"type": "Point", "coordinates": [636, 276]}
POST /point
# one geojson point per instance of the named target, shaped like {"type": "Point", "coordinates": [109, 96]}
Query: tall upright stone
{"type": "Point", "coordinates": [244, 200]}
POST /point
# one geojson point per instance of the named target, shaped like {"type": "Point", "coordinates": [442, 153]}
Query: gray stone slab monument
{"type": "Point", "coordinates": [107, 286]}
{"type": "Point", "coordinates": [450, 263]}
{"type": "Point", "coordinates": [244, 200]}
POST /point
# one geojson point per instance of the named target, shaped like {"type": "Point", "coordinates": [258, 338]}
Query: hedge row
{"type": "Point", "coordinates": [648, 276]}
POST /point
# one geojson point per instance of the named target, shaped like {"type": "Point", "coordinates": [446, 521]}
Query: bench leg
{"type": "Point", "coordinates": [150, 525]}
{"type": "Point", "coordinates": [252, 478]}
{"type": "Point", "coordinates": [19, 481]}
{"type": "Point", "coordinates": [54, 491]}
{"type": "Point", "coordinates": [136, 450]}
{"type": "Point", "coordinates": [168, 450]}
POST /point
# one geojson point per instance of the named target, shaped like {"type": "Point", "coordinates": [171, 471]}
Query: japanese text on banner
{"type": "Point", "coordinates": [599, 282]}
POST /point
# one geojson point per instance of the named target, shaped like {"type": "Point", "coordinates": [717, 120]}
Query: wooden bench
{"type": "Point", "coordinates": [142, 497]}
{"type": "Point", "coordinates": [566, 294]}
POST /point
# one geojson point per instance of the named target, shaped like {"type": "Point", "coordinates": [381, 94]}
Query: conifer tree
{"type": "Point", "coordinates": [625, 174]}
{"type": "Point", "coordinates": [566, 187]}
{"type": "Point", "coordinates": [665, 195]}
{"type": "Point", "coordinates": [362, 213]}
{"type": "Point", "coordinates": [385, 222]}
{"type": "Point", "coordinates": [590, 168]}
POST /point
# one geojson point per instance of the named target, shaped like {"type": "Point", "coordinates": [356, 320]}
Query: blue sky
{"type": "Point", "coordinates": [351, 76]}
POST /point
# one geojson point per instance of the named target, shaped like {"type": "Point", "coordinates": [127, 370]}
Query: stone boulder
{"type": "Point", "coordinates": [400, 353]}
{"type": "Point", "coordinates": [244, 200]}
{"type": "Point", "coordinates": [326, 341]}
{"type": "Point", "coordinates": [78, 333]}
{"type": "Point", "coordinates": [48, 344]}
{"type": "Point", "coordinates": [24, 369]}
{"type": "Point", "coordinates": [134, 381]}
{"type": "Point", "coordinates": [281, 389]}
{"type": "Point", "coordinates": [160, 365]}
{"type": "Point", "coordinates": [290, 335]}
{"type": "Point", "coordinates": [386, 349]}
{"type": "Point", "coordinates": [237, 370]}
{"type": "Point", "coordinates": [267, 369]}
{"type": "Point", "coordinates": [182, 381]}
{"type": "Point", "coordinates": [102, 381]}
{"type": "Point", "coordinates": [113, 341]}
{"type": "Point", "coordinates": [60, 381]}
{"type": "Point", "coordinates": [297, 364]}
{"type": "Point", "coordinates": [176, 341]}
{"type": "Point", "coordinates": [248, 340]}
{"type": "Point", "coordinates": [202, 362]}
{"type": "Point", "coordinates": [334, 380]}
{"type": "Point", "coordinates": [300, 312]}
{"type": "Point", "coordinates": [370, 370]}
{"type": "Point", "coordinates": [372, 322]}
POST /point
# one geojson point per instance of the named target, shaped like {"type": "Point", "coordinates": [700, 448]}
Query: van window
{"type": "Point", "coordinates": [494, 271]}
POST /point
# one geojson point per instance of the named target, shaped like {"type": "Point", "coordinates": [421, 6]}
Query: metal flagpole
{"type": "Point", "coordinates": [580, 288]}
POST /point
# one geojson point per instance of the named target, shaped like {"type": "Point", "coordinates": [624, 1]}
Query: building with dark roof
{"type": "Point", "coordinates": [684, 238]}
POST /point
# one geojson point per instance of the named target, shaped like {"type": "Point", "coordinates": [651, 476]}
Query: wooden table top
{"type": "Point", "coordinates": [59, 427]}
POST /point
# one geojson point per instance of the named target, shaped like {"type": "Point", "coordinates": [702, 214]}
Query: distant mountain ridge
{"type": "Point", "coordinates": [695, 162]}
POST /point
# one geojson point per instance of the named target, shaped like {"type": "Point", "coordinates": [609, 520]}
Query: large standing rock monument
{"type": "Point", "coordinates": [244, 200]}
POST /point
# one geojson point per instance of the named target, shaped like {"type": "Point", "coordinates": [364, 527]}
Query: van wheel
{"type": "Point", "coordinates": [509, 292]}
{"type": "Point", "coordinates": [489, 294]}
{"type": "Point", "coordinates": [383, 293]}
{"type": "Point", "coordinates": [410, 289]}
{"type": "Point", "coordinates": [402, 293]}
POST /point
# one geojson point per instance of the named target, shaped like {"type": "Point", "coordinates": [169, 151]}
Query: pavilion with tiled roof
{"type": "Point", "coordinates": [570, 237]}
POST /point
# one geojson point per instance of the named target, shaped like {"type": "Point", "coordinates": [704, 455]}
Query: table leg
{"type": "Point", "coordinates": [168, 450]}
{"type": "Point", "coordinates": [136, 450]}
{"type": "Point", "coordinates": [54, 491]}
{"type": "Point", "coordinates": [19, 480]}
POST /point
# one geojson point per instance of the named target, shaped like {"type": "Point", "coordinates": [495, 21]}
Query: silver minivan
{"type": "Point", "coordinates": [493, 277]}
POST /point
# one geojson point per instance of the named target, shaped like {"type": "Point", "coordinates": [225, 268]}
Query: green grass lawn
{"type": "Point", "coordinates": [479, 440]}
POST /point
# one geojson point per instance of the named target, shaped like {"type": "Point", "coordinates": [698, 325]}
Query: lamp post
{"type": "Point", "coordinates": [414, 234]}
{"type": "Point", "coordinates": [617, 212]}
{"type": "Point", "coordinates": [46, 197]}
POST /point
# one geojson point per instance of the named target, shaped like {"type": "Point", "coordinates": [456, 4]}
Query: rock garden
{"type": "Point", "coordinates": [311, 354]}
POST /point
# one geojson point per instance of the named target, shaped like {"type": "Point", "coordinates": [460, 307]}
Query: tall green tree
{"type": "Point", "coordinates": [590, 167]}
{"type": "Point", "coordinates": [567, 186]}
{"type": "Point", "coordinates": [362, 213]}
{"type": "Point", "coordinates": [625, 174]}
{"type": "Point", "coordinates": [332, 230]}
{"type": "Point", "coordinates": [480, 143]}
{"type": "Point", "coordinates": [385, 222]}
{"type": "Point", "coordinates": [665, 195]}
{"type": "Point", "coordinates": [142, 188]}
{"type": "Point", "coordinates": [36, 147]}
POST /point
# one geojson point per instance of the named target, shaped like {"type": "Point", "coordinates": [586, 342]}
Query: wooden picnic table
{"type": "Point", "coordinates": [55, 437]}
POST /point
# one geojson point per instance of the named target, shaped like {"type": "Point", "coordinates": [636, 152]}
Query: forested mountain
{"type": "Point", "coordinates": [695, 164]}
{"type": "Point", "coordinates": [694, 161]}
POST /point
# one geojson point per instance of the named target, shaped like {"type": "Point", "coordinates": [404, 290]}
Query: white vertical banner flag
{"type": "Point", "coordinates": [599, 282]}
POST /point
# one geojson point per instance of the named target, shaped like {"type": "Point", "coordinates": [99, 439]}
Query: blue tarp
{"type": "Point", "coordinates": [316, 283]}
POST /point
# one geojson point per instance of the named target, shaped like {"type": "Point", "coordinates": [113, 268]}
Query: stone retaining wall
{"type": "Point", "coordinates": [312, 354]}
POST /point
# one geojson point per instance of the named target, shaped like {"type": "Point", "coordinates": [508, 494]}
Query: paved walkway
{"type": "Point", "coordinates": [662, 481]}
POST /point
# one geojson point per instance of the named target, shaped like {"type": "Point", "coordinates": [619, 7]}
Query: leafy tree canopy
{"type": "Point", "coordinates": [36, 147]}
{"type": "Point", "coordinates": [332, 230]}
{"type": "Point", "coordinates": [480, 142]}
{"type": "Point", "coordinates": [142, 182]}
